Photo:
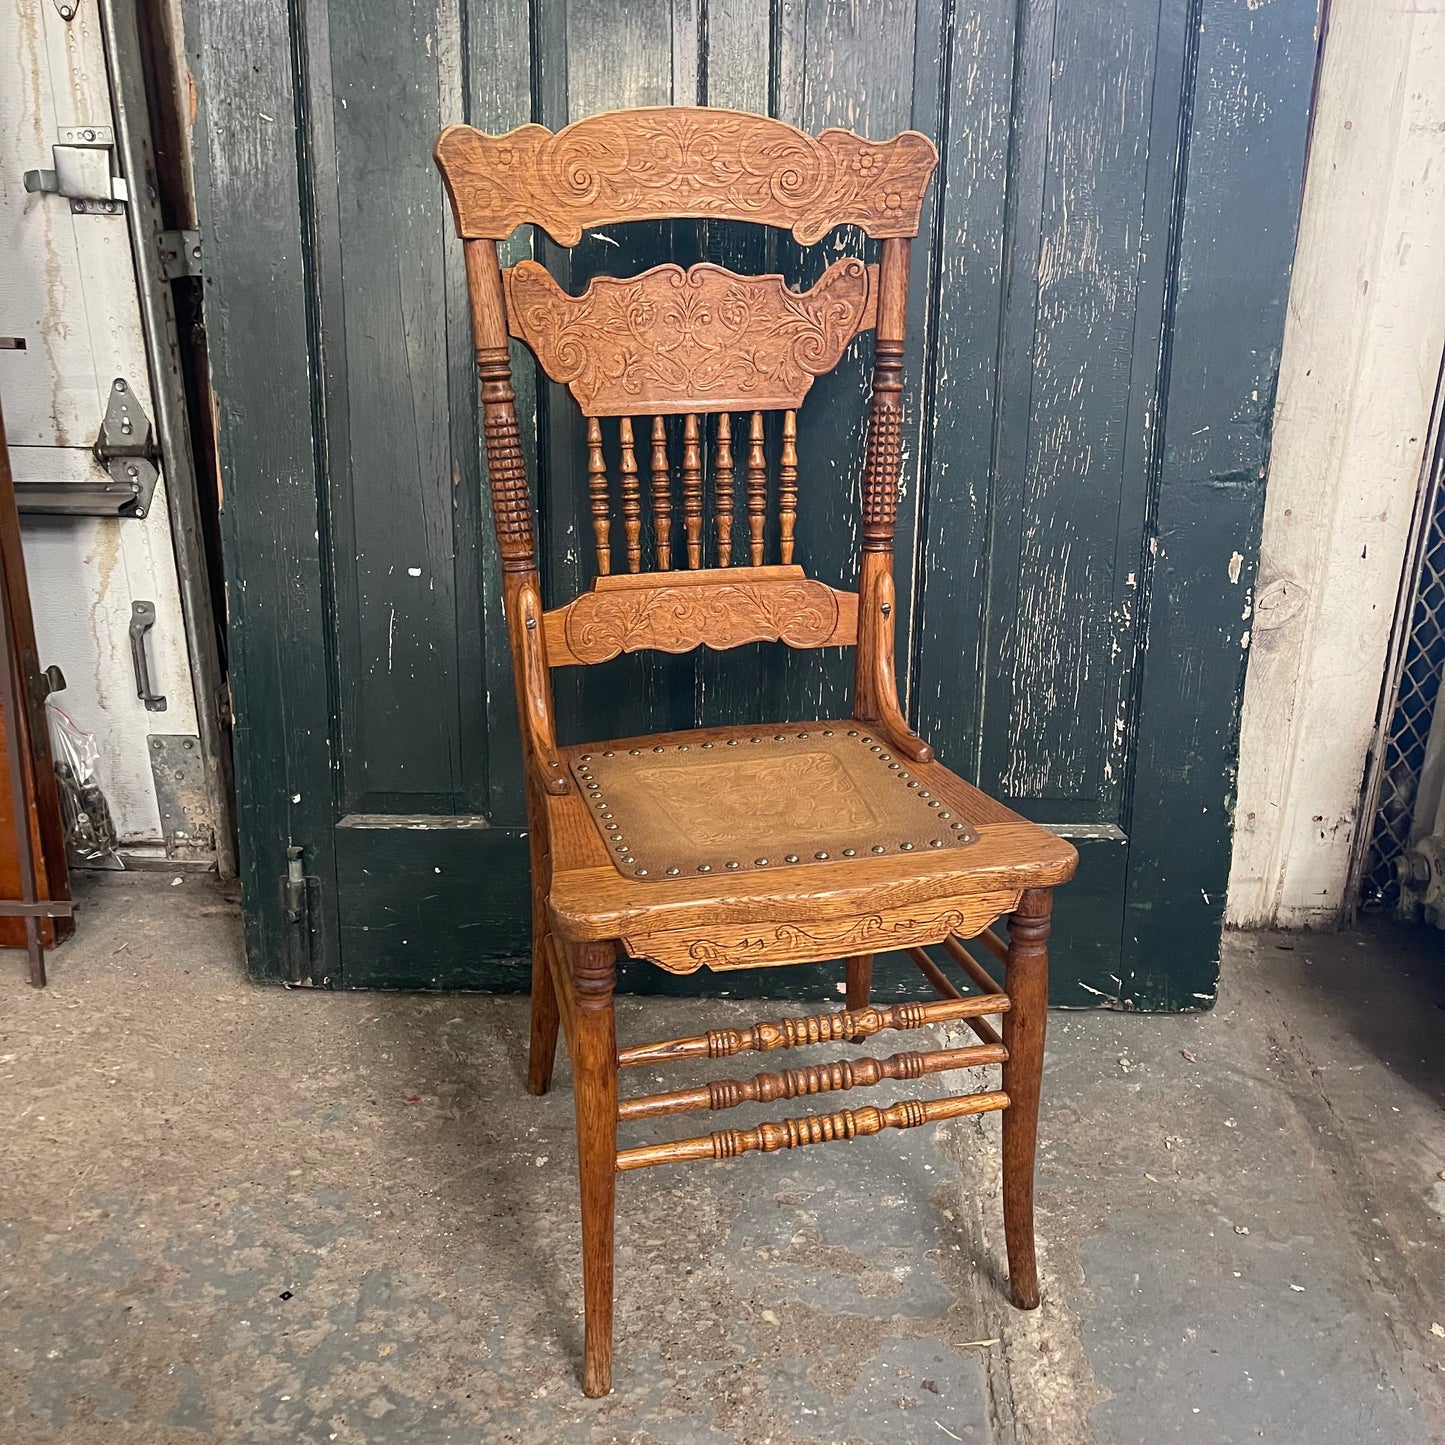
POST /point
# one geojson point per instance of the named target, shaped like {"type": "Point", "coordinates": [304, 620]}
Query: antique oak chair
{"type": "Point", "coordinates": [732, 847]}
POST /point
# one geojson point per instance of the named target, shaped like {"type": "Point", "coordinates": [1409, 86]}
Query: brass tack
{"type": "Point", "coordinates": [935, 842]}
{"type": "Point", "coordinates": [827, 732]}
{"type": "Point", "coordinates": [682, 747]}
{"type": "Point", "coordinates": [704, 867]}
{"type": "Point", "coordinates": [732, 742]}
{"type": "Point", "coordinates": [586, 758]}
{"type": "Point", "coordinates": [755, 740]}
{"type": "Point", "coordinates": [820, 855]}
{"type": "Point", "coordinates": [761, 862]}
{"type": "Point", "coordinates": [673, 872]}
{"type": "Point", "coordinates": [875, 749]}
{"type": "Point", "coordinates": [791, 858]}
{"type": "Point", "coordinates": [852, 733]}
{"type": "Point", "coordinates": [779, 738]}
{"type": "Point", "coordinates": [707, 745]}
{"type": "Point", "coordinates": [609, 755]}
{"type": "Point", "coordinates": [802, 735]}
{"type": "Point", "coordinates": [903, 777]}
{"type": "Point", "coordinates": [884, 757]}
{"type": "Point", "coordinates": [865, 738]}
{"type": "Point", "coordinates": [958, 827]}
{"type": "Point", "coordinates": [642, 872]}
{"type": "Point", "coordinates": [850, 852]}
{"type": "Point", "coordinates": [945, 814]}
{"type": "Point", "coordinates": [613, 827]}
{"type": "Point", "coordinates": [894, 767]}
{"type": "Point", "coordinates": [924, 793]}
{"type": "Point", "coordinates": [634, 752]}
{"type": "Point", "coordinates": [913, 782]}
{"type": "Point", "coordinates": [907, 847]}
{"type": "Point", "coordinates": [933, 803]}
{"type": "Point", "coordinates": [659, 750]}
{"type": "Point", "coordinates": [879, 848]}
{"type": "Point", "coordinates": [733, 864]}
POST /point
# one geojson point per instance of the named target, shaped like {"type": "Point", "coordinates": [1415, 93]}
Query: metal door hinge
{"type": "Point", "coordinates": [179, 775]}
{"type": "Point", "coordinates": [83, 172]}
{"type": "Point", "coordinates": [125, 448]}
{"type": "Point", "coordinates": [180, 254]}
{"type": "Point", "coordinates": [300, 893]}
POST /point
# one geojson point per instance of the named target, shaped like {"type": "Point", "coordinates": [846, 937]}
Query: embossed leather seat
{"type": "Point", "coordinates": [764, 845]}
{"type": "Point", "coordinates": [759, 823]}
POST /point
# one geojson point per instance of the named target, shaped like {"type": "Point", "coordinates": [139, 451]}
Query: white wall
{"type": "Point", "coordinates": [1362, 354]}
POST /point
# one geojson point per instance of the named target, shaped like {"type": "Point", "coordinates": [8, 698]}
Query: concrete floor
{"type": "Point", "coordinates": [241, 1214]}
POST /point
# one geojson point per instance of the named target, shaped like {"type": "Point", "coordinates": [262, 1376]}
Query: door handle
{"type": "Point", "coordinates": [142, 619]}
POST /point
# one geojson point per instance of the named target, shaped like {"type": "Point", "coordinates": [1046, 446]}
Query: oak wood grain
{"type": "Point", "coordinates": [705, 339]}
{"type": "Point", "coordinates": [682, 161]}
{"type": "Point", "coordinates": [684, 610]}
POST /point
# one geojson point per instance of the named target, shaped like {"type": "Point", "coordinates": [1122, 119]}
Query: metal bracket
{"type": "Point", "coordinates": [125, 448]}
{"type": "Point", "coordinates": [180, 781]}
{"type": "Point", "coordinates": [83, 172]}
{"type": "Point", "coordinates": [180, 254]}
{"type": "Point", "coordinates": [142, 619]}
{"type": "Point", "coordinates": [300, 899]}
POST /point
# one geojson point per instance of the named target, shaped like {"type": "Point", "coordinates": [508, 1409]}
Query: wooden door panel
{"type": "Point", "coordinates": [1088, 156]}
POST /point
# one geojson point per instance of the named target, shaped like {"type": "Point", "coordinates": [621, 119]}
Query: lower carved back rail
{"type": "Point", "coordinates": [679, 466]}
{"type": "Point", "coordinates": [859, 1072]}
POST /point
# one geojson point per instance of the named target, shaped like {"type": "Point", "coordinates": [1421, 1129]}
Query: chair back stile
{"type": "Point", "coordinates": [699, 344]}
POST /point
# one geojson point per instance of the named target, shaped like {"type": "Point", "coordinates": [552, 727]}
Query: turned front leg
{"type": "Point", "coordinates": [1027, 984]}
{"type": "Point", "coordinates": [594, 1063]}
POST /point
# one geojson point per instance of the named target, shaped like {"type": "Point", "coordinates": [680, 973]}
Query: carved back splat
{"type": "Point", "coordinates": [697, 358]}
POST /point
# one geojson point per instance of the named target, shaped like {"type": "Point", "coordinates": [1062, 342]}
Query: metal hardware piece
{"type": "Point", "coordinates": [66, 9]}
{"type": "Point", "coordinates": [125, 448]}
{"type": "Point", "coordinates": [300, 895]}
{"type": "Point", "coordinates": [178, 771]}
{"type": "Point", "coordinates": [180, 253]}
{"type": "Point", "coordinates": [83, 172]}
{"type": "Point", "coordinates": [142, 619]}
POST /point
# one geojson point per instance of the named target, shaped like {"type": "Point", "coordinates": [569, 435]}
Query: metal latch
{"type": "Point", "coordinates": [180, 254]}
{"type": "Point", "coordinates": [83, 172]}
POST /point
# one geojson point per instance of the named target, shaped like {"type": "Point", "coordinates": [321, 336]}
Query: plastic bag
{"type": "Point", "coordinates": [90, 839]}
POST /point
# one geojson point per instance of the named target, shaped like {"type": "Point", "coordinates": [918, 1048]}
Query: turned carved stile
{"type": "Point", "coordinates": [788, 485]}
{"type": "Point", "coordinates": [883, 457]}
{"type": "Point", "coordinates": [757, 490]}
{"type": "Point", "coordinates": [506, 468]}
{"type": "Point", "coordinates": [661, 495]}
{"type": "Point", "coordinates": [631, 498]}
{"type": "Point", "coordinates": [597, 492]}
{"type": "Point", "coordinates": [723, 489]}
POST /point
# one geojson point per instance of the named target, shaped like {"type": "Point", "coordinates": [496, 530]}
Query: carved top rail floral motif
{"type": "Point", "coordinates": [634, 165]}
{"type": "Point", "coordinates": [704, 339]}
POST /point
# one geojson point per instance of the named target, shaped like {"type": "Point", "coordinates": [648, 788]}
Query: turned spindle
{"type": "Point", "coordinates": [788, 485]}
{"type": "Point", "coordinates": [661, 496]}
{"type": "Point", "coordinates": [597, 491]}
{"type": "Point", "coordinates": [631, 498]}
{"type": "Point", "coordinates": [757, 490]}
{"type": "Point", "coordinates": [723, 489]}
{"type": "Point", "coordinates": [692, 489]}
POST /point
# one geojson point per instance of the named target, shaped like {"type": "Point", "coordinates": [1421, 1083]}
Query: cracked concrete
{"type": "Point", "coordinates": [240, 1214]}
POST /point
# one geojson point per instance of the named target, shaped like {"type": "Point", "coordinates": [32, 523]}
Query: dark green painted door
{"type": "Point", "coordinates": [1096, 325]}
